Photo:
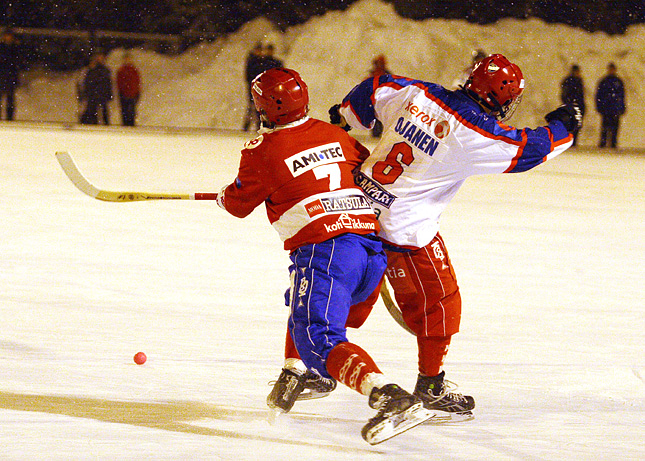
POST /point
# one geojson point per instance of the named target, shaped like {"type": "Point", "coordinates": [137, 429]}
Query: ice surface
{"type": "Point", "coordinates": [552, 344]}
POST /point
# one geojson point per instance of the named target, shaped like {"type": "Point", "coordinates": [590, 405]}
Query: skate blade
{"type": "Point", "coordinates": [397, 424]}
{"type": "Point", "coordinates": [309, 394]}
{"type": "Point", "coordinates": [443, 417]}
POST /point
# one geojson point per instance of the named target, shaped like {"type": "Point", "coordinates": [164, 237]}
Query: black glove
{"type": "Point", "coordinates": [570, 116]}
{"type": "Point", "coordinates": [336, 119]}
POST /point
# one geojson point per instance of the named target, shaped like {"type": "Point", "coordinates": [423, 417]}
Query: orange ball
{"type": "Point", "coordinates": [140, 358]}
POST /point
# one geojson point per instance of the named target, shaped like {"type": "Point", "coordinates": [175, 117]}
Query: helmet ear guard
{"type": "Point", "coordinates": [497, 85]}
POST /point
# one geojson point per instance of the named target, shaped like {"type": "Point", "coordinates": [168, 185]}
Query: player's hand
{"type": "Point", "coordinates": [335, 118]}
{"type": "Point", "coordinates": [570, 116]}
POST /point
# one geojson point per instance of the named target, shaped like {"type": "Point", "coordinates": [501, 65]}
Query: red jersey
{"type": "Point", "coordinates": [303, 173]}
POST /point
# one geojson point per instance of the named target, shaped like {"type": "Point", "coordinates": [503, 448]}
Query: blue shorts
{"type": "Point", "coordinates": [326, 279]}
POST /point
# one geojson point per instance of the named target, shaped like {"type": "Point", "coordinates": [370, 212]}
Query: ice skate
{"type": "Point", "coordinates": [294, 384]}
{"type": "Point", "coordinates": [316, 386]}
{"type": "Point", "coordinates": [439, 395]}
{"type": "Point", "coordinates": [286, 390]}
{"type": "Point", "coordinates": [398, 411]}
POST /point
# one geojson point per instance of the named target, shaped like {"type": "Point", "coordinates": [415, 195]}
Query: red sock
{"type": "Point", "coordinates": [432, 352]}
{"type": "Point", "coordinates": [290, 351]}
{"type": "Point", "coordinates": [349, 364]}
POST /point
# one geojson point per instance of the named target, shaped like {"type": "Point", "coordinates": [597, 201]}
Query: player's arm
{"type": "Point", "coordinates": [365, 103]}
{"type": "Point", "coordinates": [547, 142]}
{"type": "Point", "coordinates": [248, 190]}
{"type": "Point", "coordinates": [541, 144]}
{"type": "Point", "coordinates": [492, 147]}
{"type": "Point", "coordinates": [357, 108]}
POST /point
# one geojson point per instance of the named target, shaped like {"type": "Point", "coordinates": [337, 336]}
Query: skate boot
{"type": "Point", "coordinates": [286, 390]}
{"type": "Point", "coordinates": [297, 383]}
{"type": "Point", "coordinates": [436, 395]}
{"type": "Point", "coordinates": [316, 386]}
{"type": "Point", "coordinates": [398, 411]}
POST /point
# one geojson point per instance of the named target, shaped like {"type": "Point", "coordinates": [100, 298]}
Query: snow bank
{"type": "Point", "coordinates": [204, 87]}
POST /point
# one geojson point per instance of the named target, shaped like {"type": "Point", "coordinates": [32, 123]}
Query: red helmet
{"type": "Point", "coordinates": [497, 84]}
{"type": "Point", "coordinates": [280, 95]}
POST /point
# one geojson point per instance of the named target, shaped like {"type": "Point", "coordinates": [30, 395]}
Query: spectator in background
{"type": "Point", "coordinates": [379, 67]}
{"type": "Point", "coordinates": [95, 91]}
{"type": "Point", "coordinates": [128, 83]}
{"type": "Point", "coordinates": [10, 62]}
{"type": "Point", "coordinates": [573, 92]}
{"type": "Point", "coordinates": [268, 59]}
{"type": "Point", "coordinates": [251, 70]}
{"type": "Point", "coordinates": [259, 59]}
{"type": "Point", "coordinates": [610, 103]}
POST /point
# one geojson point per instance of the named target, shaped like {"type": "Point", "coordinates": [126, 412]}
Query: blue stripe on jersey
{"type": "Point", "coordinates": [540, 143]}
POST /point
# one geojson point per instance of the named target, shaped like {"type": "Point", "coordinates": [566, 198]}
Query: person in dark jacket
{"type": "Point", "coordinates": [610, 103]}
{"type": "Point", "coordinates": [259, 60]}
{"type": "Point", "coordinates": [10, 59]}
{"type": "Point", "coordinates": [573, 92]}
{"type": "Point", "coordinates": [128, 83]}
{"type": "Point", "coordinates": [96, 91]}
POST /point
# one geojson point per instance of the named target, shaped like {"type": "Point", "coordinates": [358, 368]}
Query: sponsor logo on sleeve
{"type": "Point", "coordinates": [309, 159]}
{"type": "Point", "coordinates": [254, 142]}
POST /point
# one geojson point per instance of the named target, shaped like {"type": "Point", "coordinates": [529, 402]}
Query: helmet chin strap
{"type": "Point", "coordinates": [496, 111]}
{"type": "Point", "coordinates": [265, 121]}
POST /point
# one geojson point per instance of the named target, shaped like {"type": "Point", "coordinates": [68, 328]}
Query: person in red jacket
{"type": "Point", "coordinates": [128, 82]}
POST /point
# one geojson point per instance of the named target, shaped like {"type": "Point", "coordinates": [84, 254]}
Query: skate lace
{"type": "Point", "coordinates": [311, 380]}
{"type": "Point", "coordinates": [381, 404]}
{"type": "Point", "coordinates": [448, 392]}
{"type": "Point", "coordinates": [273, 381]}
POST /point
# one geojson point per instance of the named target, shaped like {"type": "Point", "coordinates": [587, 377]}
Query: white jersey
{"type": "Point", "coordinates": [433, 139]}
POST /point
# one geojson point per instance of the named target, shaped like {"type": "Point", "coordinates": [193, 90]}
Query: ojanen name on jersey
{"type": "Point", "coordinates": [309, 159]}
{"type": "Point", "coordinates": [422, 140]}
{"type": "Point", "coordinates": [374, 190]}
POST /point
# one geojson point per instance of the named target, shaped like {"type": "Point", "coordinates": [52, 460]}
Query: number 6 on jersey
{"type": "Point", "coordinates": [387, 171]}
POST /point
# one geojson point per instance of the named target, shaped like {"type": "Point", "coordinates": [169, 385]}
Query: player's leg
{"type": "Point", "coordinates": [426, 291]}
{"type": "Point", "coordinates": [315, 386]}
{"type": "Point", "coordinates": [356, 269]}
{"type": "Point", "coordinates": [319, 308]}
{"type": "Point", "coordinates": [326, 279]}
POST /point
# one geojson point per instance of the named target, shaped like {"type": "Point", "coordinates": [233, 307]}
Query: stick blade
{"type": "Point", "coordinates": [77, 178]}
{"type": "Point", "coordinates": [74, 175]}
